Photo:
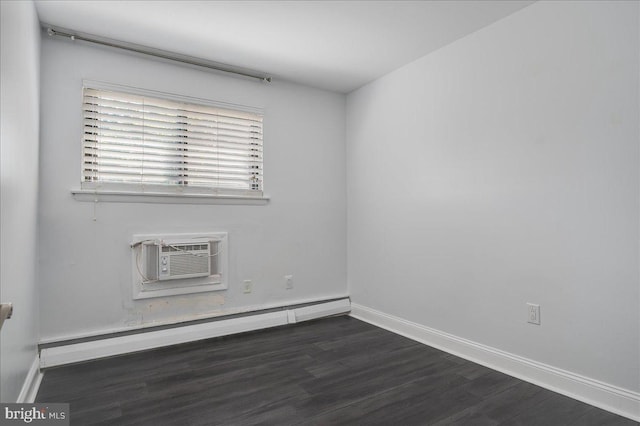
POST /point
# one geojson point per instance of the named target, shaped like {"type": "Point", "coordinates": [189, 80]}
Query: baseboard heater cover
{"type": "Point", "coordinates": [318, 311]}
{"type": "Point", "coordinates": [78, 352]}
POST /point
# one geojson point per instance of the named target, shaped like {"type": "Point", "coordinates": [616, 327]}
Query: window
{"type": "Point", "coordinates": [144, 143]}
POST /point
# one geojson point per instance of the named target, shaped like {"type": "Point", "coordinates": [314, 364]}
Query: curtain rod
{"type": "Point", "coordinates": [159, 53]}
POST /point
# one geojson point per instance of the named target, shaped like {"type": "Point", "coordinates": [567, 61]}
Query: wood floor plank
{"type": "Point", "coordinates": [501, 406]}
{"type": "Point", "coordinates": [335, 371]}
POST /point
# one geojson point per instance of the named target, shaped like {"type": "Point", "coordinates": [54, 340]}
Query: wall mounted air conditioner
{"type": "Point", "coordinates": [178, 259]}
{"type": "Point", "coordinates": [173, 264]}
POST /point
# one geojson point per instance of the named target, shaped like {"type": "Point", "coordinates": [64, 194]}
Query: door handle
{"type": "Point", "coordinates": [6, 309]}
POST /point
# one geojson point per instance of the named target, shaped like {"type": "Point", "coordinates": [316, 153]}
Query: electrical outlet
{"type": "Point", "coordinates": [533, 313]}
{"type": "Point", "coordinates": [247, 286]}
{"type": "Point", "coordinates": [288, 282]}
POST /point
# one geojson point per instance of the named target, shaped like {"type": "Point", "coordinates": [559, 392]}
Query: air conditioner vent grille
{"type": "Point", "coordinates": [184, 247]}
{"type": "Point", "coordinates": [189, 263]}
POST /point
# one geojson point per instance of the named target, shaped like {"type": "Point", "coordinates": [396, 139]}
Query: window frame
{"type": "Point", "coordinates": [158, 193]}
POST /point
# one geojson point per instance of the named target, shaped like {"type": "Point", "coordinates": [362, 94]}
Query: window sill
{"type": "Point", "coordinates": [103, 196]}
{"type": "Point", "coordinates": [143, 293]}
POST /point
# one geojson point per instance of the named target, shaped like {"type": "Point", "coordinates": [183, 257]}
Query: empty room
{"type": "Point", "coordinates": [320, 212]}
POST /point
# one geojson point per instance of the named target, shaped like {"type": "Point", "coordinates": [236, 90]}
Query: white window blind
{"type": "Point", "coordinates": [142, 141]}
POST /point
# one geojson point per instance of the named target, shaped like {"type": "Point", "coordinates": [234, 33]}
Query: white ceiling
{"type": "Point", "coordinates": [334, 45]}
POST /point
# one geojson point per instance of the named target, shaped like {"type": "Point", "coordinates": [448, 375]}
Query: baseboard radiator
{"type": "Point", "coordinates": [63, 354]}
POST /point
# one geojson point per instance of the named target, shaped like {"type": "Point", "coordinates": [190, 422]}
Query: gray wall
{"type": "Point", "coordinates": [20, 74]}
{"type": "Point", "coordinates": [85, 265]}
{"type": "Point", "coordinates": [500, 170]}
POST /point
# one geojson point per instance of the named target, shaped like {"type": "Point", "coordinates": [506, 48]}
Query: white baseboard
{"type": "Point", "coordinates": [602, 395]}
{"type": "Point", "coordinates": [95, 349]}
{"type": "Point", "coordinates": [31, 384]}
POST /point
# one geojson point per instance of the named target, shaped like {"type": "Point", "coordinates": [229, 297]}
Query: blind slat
{"type": "Point", "coordinates": [135, 102]}
{"type": "Point", "coordinates": [129, 132]}
{"type": "Point", "coordinates": [108, 148]}
{"type": "Point", "coordinates": [163, 141]}
{"type": "Point", "coordinates": [213, 176]}
{"type": "Point", "coordinates": [162, 128]}
{"type": "Point", "coordinates": [171, 117]}
{"type": "Point", "coordinates": [114, 114]}
{"type": "Point", "coordinates": [190, 166]}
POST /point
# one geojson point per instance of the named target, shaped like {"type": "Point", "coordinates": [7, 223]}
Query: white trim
{"type": "Point", "coordinates": [602, 395]}
{"type": "Point", "coordinates": [318, 311]}
{"type": "Point", "coordinates": [31, 383]}
{"type": "Point", "coordinates": [77, 352]}
{"type": "Point", "coordinates": [243, 310]}
{"type": "Point", "coordinates": [106, 196]}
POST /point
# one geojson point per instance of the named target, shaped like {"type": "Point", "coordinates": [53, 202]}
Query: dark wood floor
{"type": "Point", "coordinates": [335, 371]}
